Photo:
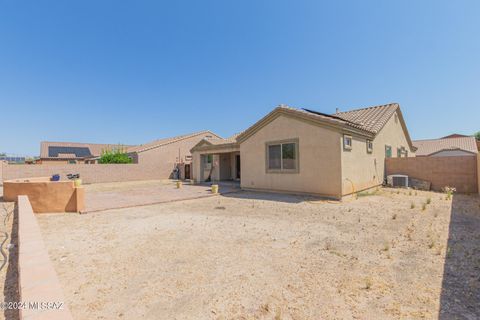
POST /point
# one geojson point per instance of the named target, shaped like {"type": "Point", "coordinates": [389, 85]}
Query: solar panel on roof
{"type": "Point", "coordinates": [79, 152]}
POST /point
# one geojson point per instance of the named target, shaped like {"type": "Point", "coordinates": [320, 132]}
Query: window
{"type": "Point", "coordinates": [208, 159]}
{"type": "Point", "coordinates": [347, 142]}
{"type": "Point", "coordinates": [388, 151]}
{"type": "Point", "coordinates": [369, 146]}
{"type": "Point", "coordinates": [282, 156]}
{"type": "Point", "coordinates": [402, 152]}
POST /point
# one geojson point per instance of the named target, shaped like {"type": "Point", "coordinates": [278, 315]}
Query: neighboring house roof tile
{"type": "Point", "coordinates": [429, 147]}
{"type": "Point", "coordinates": [165, 141]}
{"type": "Point", "coordinates": [72, 150]}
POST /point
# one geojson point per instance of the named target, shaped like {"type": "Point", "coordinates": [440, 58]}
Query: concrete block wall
{"type": "Point", "coordinates": [459, 172]}
{"type": "Point", "coordinates": [89, 173]}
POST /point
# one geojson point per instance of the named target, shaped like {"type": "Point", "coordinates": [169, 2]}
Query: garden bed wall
{"type": "Point", "coordinates": [459, 172]}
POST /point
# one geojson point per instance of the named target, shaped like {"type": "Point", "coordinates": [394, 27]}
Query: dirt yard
{"type": "Point", "coordinates": [260, 256]}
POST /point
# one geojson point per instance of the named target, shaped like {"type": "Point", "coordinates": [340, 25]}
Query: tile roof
{"type": "Point", "coordinates": [220, 141]}
{"type": "Point", "coordinates": [429, 147]}
{"type": "Point", "coordinates": [371, 119]}
{"type": "Point", "coordinates": [366, 121]}
{"type": "Point", "coordinates": [165, 141]}
{"type": "Point", "coordinates": [72, 150]}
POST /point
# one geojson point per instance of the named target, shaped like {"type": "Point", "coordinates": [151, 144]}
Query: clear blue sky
{"type": "Point", "coordinates": [132, 71]}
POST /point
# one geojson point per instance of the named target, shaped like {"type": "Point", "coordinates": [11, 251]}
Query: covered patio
{"type": "Point", "coordinates": [216, 160]}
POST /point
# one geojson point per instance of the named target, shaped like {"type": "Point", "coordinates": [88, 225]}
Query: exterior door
{"type": "Point", "coordinates": [237, 166]}
{"type": "Point", "coordinates": [187, 171]}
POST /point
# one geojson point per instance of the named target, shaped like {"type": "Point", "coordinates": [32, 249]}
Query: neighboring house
{"type": "Point", "coordinates": [304, 151]}
{"type": "Point", "coordinates": [168, 153]}
{"type": "Point", "coordinates": [12, 159]}
{"type": "Point", "coordinates": [72, 152]}
{"type": "Point", "coordinates": [447, 147]}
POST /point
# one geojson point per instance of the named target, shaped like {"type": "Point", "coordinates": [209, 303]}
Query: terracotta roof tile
{"type": "Point", "coordinates": [428, 147]}
{"type": "Point", "coordinates": [371, 118]}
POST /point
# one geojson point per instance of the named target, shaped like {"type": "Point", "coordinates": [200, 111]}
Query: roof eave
{"type": "Point", "coordinates": [341, 125]}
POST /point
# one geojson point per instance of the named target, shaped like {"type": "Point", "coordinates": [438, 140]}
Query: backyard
{"type": "Point", "coordinates": [264, 256]}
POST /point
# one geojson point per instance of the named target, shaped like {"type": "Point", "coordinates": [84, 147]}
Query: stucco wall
{"type": "Point", "coordinates": [46, 196]}
{"type": "Point", "coordinates": [165, 157]}
{"type": "Point", "coordinates": [362, 170]}
{"type": "Point", "coordinates": [37, 279]}
{"type": "Point", "coordinates": [319, 159]}
{"type": "Point", "coordinates": [458, 172]}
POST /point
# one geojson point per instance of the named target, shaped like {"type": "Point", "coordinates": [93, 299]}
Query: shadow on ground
{"type": "Point", "coordinates": [265, 196]}
{"type": "Point", "coordinates": [460, 296]}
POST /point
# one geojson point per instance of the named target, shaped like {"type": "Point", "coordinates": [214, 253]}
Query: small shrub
{"type": "Point", "coordinates": [117, 155]}
{"type": "Point", "coordinates": [449, 191]}
{"type": "Point", "coordinates": [424, 206]}
{"type": "Point", "coordinates": [410, 193]}
{"type": "Point", "coordinates": [412, 205]}
{"type": "Point", "coordinates": [394, 217]}
{"type": "Point", "coordinates": [429, 200]}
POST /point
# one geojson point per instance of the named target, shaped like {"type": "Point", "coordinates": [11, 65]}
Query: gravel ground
{"type": "Point", "coordinates": [263, 256]}
{"type": "Point", "coordinates": [8, 273]}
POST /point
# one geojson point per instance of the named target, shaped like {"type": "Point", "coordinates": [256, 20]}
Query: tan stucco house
{"type": "Point", "coordinates": [307, 152]}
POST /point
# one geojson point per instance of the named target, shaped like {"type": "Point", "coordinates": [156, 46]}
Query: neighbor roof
{"type": "Point", "coordinates": [72, 150]}
{"type": "Point", "coordinates": [429, 147]}
{"type": "Point", "coordinates": [165, 141]}
{"type": "Point", "coordinates": [365, 121]}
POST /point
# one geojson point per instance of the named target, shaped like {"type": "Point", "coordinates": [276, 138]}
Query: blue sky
{"type": "Point", "coordinates": [133, 71]}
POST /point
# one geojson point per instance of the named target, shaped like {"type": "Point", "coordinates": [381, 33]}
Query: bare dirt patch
{"type": "Point", "coordinates": [256, 256]}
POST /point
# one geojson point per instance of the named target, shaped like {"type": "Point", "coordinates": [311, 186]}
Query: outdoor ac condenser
{"type": "Point", "coordinates": [397, 180]}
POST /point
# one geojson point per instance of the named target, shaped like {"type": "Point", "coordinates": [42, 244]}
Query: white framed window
{"type": "Point", "coordinates": [282, 156]}
{"type": "Point", "coordinates": [388, 151]}
{"type": "Point", "coordinates": [347, 142]}
{"type": "Point", "coordinates": [369, 146]}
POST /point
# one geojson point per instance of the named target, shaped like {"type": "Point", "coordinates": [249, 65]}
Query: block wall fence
{"type": "Point", "coordinates": [89, 173]}
{"type": "Point", "coordinates": [459, 172]}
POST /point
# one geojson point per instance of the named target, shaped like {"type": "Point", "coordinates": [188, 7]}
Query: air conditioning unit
{"type": "Point", "coordinates": [397, 180]}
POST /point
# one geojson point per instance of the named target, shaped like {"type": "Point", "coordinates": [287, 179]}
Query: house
{"type": "Point", "coordinates": [168, 153]}
{"type": "Point", "coordinates": [447, 147]}
{"type": "Point", "coordinates": [308, 152]}
{"type": "Point", "coordinates": [72, 152]}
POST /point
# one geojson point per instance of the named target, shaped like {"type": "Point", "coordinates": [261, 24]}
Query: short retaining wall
{"type": "Point", "coordinates": [89, 173]}
{"type": "Point", "coordinates": [459, 172]}
{"type": "Point", "coordinates": [46, 195]}
{"type": "Point", "coordinates": [38, 281]}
